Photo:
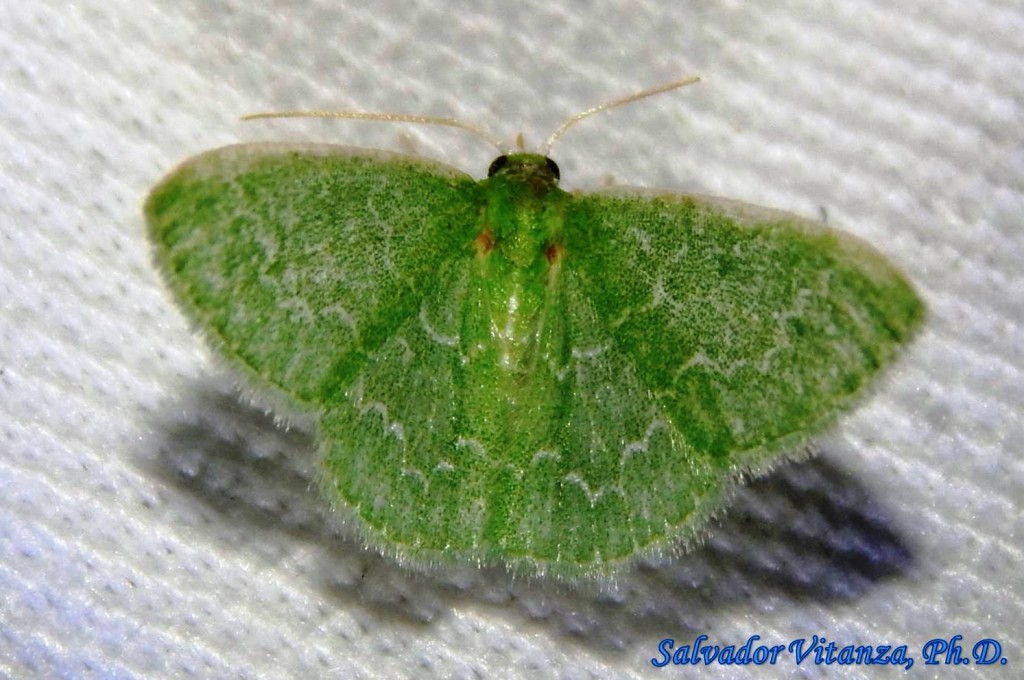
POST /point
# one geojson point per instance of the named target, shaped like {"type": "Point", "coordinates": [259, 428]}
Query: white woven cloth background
{"type": "Point", "coordinates": [154, 525]}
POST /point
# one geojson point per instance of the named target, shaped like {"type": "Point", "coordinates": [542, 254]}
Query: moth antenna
{"type": "Point", "coordinates": [387, 117]}
{"type": "Point", "coordinates": [642, 94]}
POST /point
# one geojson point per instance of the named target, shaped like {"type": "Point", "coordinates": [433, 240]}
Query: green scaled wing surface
{"type": "Point", "coordinates": [300, 261]}
{"type": "Point", "coordinates": [750, 327]}
{"type": "Point", "coordinates": [505, 372]}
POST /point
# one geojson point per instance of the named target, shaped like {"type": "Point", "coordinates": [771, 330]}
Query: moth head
{"type": "Point", "coordinates": [529, 168]}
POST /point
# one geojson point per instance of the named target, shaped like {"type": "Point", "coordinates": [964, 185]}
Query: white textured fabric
{"type": "Point", "coordinates": [152, 524]}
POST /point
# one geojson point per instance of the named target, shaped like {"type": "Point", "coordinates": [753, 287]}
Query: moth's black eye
{"type": "Point", "coordinates": [496, 167]}
{"type": "Point", "coordinates": [553, 167]}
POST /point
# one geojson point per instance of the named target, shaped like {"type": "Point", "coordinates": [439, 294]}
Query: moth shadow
{"type": "Point", "coordinates": [807, 531]}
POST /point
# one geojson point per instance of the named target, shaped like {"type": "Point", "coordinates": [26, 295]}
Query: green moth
{"type": "Point", "coordinates": [501, 371]}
